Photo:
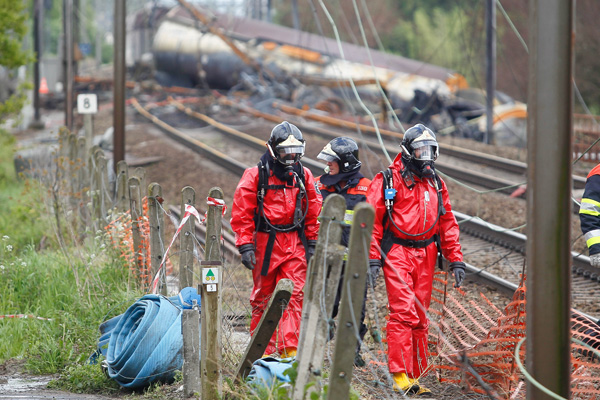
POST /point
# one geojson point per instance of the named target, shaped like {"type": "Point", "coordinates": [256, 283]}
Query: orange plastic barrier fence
{"type": "Point", "coordinates": [473, 344]}
{"type": "Point", "coordinates": [121, 238]}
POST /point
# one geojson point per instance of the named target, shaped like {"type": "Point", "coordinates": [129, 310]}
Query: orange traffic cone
{"type": "Point", "coordinates": [43, 86]}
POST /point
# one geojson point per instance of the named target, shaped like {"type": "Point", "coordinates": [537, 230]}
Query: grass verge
{"type": "Point", "coordinates": [53, 298]}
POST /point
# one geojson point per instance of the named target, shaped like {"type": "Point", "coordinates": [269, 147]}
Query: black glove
{"type": "Point", "coordinates": [310, 250]}
{"type": "Point", "coordinates": [458, 269]}
{"type": "Point", "coordinates": [248, 257]}
{"type": "Point", "coordinates": [374, 267]}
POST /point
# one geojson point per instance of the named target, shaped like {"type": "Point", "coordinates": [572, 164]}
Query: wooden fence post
{"type": "Point", "coordinates": [141, 173]}
{"type": "Point", "coordinates": [211, 303]}
{"type": "Point", "coordinates": [351, 302]}
{"type": "Point", "coordinates": [122, 190]}
{"type": "Point", "coordinates": [72, 185]}
{"type": "Point", "coordinates": [321, 285]}
{"type": "Point", "coordinates": [105, 192]}
{"type": "Point", "coordinates": [190, 328]}
{"type": "Point", "coordinates": [94, 192]}
{"type": "Point", "coordinates": [265, 328]}
{"type": "Point", "coordinates": [135, 198]}
{"type": "Point", "coordinates": [88, 125]}
{"type": "Point", "coordinates": [84, 185]}
{"type": "Point", "coordinates": [63, 152]}
{"type": "Point", "coordinates": [157, 237]}
{"type": "Point", "coordinates": [82, 161]}
{"type": "Point", "coordinates": [91, 162]}
{"type": "Point", "coordinates": [102, 183]}
{"type": "Point", "coordinates": [186, 248]}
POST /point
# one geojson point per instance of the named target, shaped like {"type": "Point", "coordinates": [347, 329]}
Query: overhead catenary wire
{"type": "Point", "coordinates": [361, 103]}
{"type": "Point", "coordinates": [372, 65]}
{"type": "Point", "coordinates": [343, 92]}
{"type": "Point", "coordinates": [363, 3]}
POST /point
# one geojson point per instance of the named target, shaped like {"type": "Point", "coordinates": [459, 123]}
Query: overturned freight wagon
{"type": "Point", "coordinates": [225, 52]}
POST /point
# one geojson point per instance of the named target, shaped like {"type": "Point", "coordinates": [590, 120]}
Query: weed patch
{"type": "Point", "coordinates": [85, 378]}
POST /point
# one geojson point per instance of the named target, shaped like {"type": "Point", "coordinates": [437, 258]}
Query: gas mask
{"type": "Point", "coordinates": [421, 160]}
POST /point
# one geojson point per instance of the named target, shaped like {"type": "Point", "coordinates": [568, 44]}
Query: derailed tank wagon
{"type": "Point", "coordinates": [283, 63]}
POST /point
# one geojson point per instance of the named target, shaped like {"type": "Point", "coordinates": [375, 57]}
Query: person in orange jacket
{"type": "Point", "coordinates": [413, 221]}
{"type": "Point", "coordinates": [274, 217]}
{"type": "Point", "coordinates": [343, 177]}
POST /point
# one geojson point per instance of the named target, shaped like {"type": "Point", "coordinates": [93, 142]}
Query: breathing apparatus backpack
{"type": "Point", "coordinates": [262, 223]}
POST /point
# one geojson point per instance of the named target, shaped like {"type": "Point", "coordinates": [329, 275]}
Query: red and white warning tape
{"type": "Point", "coordinates": [215, 202]}
{"type": "Point", "coordinates": [24, 316]}
{"type": "Point", "coordinates": [189, 210]}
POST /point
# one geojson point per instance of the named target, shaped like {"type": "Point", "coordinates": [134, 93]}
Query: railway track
{"type": "Point", "coordinates": [494, 255]}
{"type": "Point", "coordinates": [499, 173]}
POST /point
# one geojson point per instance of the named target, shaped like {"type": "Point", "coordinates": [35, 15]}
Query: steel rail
{"type": "Point", "coordinates": [516, 167]}
{"type": "Point", "coordinates": [315, 166]}
{"type": "Point", "coordinates": [471, 176]}
{"type": "Point", "coordinates": [517, 241]}
{"type": "Point", "coordinates": [196, 145]}
{"type": "Point", "coordinates": [228, 238]}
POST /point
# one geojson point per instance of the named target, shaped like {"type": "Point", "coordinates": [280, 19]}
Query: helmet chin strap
{"type": "Point", "coordinates": [271, 151]}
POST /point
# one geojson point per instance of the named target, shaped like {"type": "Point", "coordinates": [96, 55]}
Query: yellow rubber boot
{"type": "Point", "coordinates": [403, 383]}
{"type": "Point", "coordinates": [423, 391]}
{"type": "Point", "coordinates": [289, 352]}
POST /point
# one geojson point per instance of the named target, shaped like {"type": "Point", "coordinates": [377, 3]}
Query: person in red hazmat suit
{"type": "Point", "coordinates": [413, 221]}
{"type": "Point", "coordinates": [342, 176]}
{"type": "Point", "coordinates": [274, 217]}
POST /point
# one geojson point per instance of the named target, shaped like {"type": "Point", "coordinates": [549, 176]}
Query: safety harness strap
{"type": "Point", "coordinates": [389, 239]}
{"type": "Point", "coordinates": [262, 225]}
{"type": "Point", "coordinates": [415, 244]}
{"type": "Point", "coordinates": [268, 250]}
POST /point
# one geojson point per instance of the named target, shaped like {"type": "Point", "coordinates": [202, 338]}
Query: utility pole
{"type": "Point", "coordinates": [490, 79]}
{"type": "Point", "coordinates": [549, 183]}
{"type": "Point", "coordinates": [119, 84]}
{"type": "Point", "coordinates": [98, 34]}
{"type": "Point", "coordinates": [38, 12]}
{"type": "Point", "coordinates": [68, 61]}
{"type": "Point", "coordinates": [76, 35]}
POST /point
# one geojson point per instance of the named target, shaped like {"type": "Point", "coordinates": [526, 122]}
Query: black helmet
{"type": "Point", "coordinates": [420, 149]}
{"type": "Point", "coordinates": [286, 143]}
{"type": "Point", "coordinates": [344, 151]}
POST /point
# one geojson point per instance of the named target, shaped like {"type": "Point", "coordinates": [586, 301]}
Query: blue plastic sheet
{"type": "Point", "coordinates": [145, 343]}
{"type": "Point", "coordinates": [269, 370]}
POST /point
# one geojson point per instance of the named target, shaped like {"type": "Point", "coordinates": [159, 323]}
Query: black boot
{"type": "Point", "coordinates": [358, 360]}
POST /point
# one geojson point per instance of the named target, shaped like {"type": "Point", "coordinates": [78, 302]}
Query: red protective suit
{"type": "Point", "coordinates": [288, 257]}
{"type": "Point", "coordinates": [408, 271]}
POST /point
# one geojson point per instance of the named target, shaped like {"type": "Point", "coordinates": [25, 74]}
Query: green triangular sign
{"type": "Point", "coordinates": [210, 274]}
